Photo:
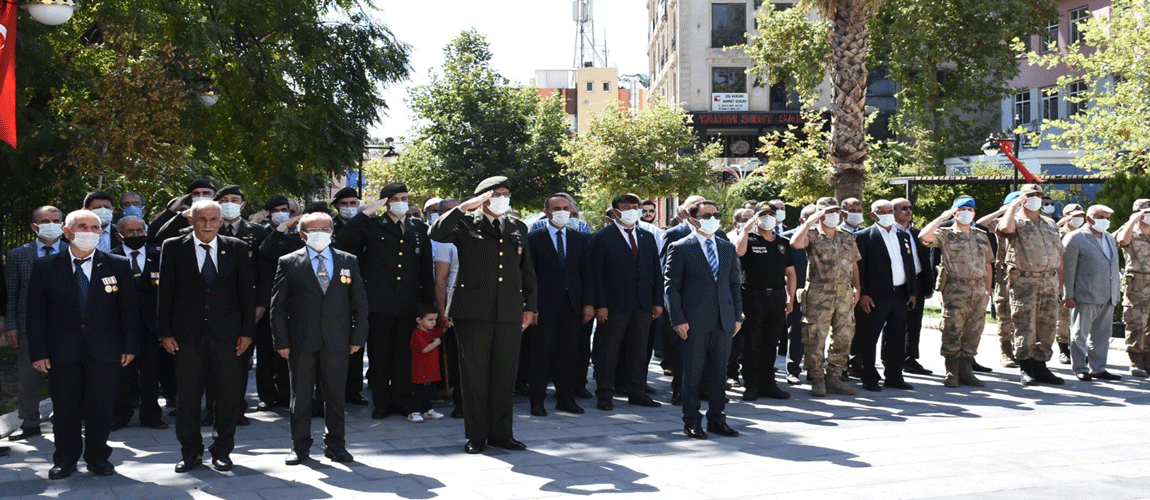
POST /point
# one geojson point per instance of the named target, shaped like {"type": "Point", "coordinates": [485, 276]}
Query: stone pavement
{"type": "Point", "coordinates": [1083, 440]}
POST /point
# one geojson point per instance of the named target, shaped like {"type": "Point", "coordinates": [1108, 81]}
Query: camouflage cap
{"type": "Point", "coordinates": [1030, 188]}
{"type": "Point", "coordinates": [1074, 207]}
{"type": "Point", "coordinates": [1141, 204]}
{"type": "Point", "coordinates": [826, 202]}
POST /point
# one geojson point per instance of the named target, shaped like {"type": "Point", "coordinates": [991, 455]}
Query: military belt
{"type": "Point", "coordinates": [829, 287]}
{"type": "Point", "coordinates": [764, 292]}
{"type": "Point", "coordinates": [1035, 274]}
{"type": "Point", "coordinates": [965, 281]}
{"type": "Point", "coordinates": [1139, 273]}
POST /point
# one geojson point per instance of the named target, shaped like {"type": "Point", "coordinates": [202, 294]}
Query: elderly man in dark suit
{"type": "Point", "coordinates": [888, 289]}
{"type": "Point", "coordinates": [47, 225]}
{"type": "Point", "coordinates": [206, 318]}
{"type": "Point", "coordinates": [319, 316]}
{"type": "Point", "coordinates": [705, 304]}
{"type": "Point", "coordinates": [491, 302]}
{"type": "Point", "coordinates": [82, 328]}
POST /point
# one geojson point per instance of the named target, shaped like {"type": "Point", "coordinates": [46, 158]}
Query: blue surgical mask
{"type": "Point", "coordinates": [133, 211]}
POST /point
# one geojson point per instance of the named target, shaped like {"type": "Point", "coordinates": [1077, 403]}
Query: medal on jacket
{"type": "Point", "coordinates": [110, 284]}
{"type": "Point", "coordinates": [345, 276]}
{"type": "Point", "coordinates": [155, 278]}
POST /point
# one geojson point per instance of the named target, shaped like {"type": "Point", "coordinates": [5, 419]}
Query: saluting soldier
{"type": "Point", "coordinates": [491, 302]}
{"type": "Point", "coordinates": [1001, 287]}
{"type": "Point", "coordinates": [1134, 240]}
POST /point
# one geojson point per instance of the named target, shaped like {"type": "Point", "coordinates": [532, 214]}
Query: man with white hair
{"type": "Point", "coordinates": [1091, 279]}
{"type": "Point", "coordinates": [82, 327]}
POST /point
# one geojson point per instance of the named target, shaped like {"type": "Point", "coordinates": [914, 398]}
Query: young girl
{"type": "Point", "coordinates": [425, 340]}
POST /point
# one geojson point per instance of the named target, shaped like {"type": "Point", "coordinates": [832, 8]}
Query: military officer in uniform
{"type": "Point", "coordinates": [964, 279]}
{"type": "Point", "coordinates": [491, 302]}
{"type": "Point", "coordinates": [346, 201]}
{"type": "Point", "coordinates": [1134, 240]}
{"type": "Point", "coordinates": [828, 300]}
{"type": "Point", "coordinates": [1001, 287]}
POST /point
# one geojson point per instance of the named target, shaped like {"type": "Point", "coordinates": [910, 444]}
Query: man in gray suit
{"type": "Point", "coordinates": [318, 317]}
{"type": "Point", "coordinates": [705, 303]}
{"type": "Point", "coordinates": [1090, 279]}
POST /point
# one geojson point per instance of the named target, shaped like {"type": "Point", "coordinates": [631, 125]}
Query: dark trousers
{"type": "Point", "coordinates": [622, 334]}
{"type": "Point", "coordinates": [451, 361]}
{"type": "Point", "coordinates": [389, 350]}
{"type": "Point", "coordinates": [328, 368]}
{"type": "Point", "coordinates": [166, 374]}
{"type": "Point", "coordinates": [421, 397]}
{"type": "Point", "coordinates": [705, 351]}
{"type": "Point", "coordinates": [202, 362]}
{"type": "Point", "coordinates": [354, 384]}
{"type": "Point", "coordinates": [914, 327]}
{"type": "Point", "coordinates": [583, 353]}
{"type": "Point", "coordinates": [272, 377]}
{"type": "Point", "coordinates": [141, 374]}
{"type": "Point", "coordinates": [887, 317]}
{"type": "Point", "coordinates": [488, 355]}
{"type": "Point", "coordinates": [672, 354]}
{"type": "Point", "coordinates": [553, 348]}
{"type": "Point", "coordinates": [734, 358]}
{"type": "Point", "coordinates": [764, 325]}
{"type": "Point", "coordinates": [794, 340]}
{"type": "Point", "coordinates": [86, 388]}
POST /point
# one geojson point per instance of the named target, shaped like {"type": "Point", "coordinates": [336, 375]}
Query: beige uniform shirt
{"type": "Point", "coordinates": [1034, 246]}
{"type": "Point", "coordinates": [1137, 252]}
{"type": "Point", "coordinates": [964, 255]}
{"type": "Point", "coordinates": [830, 259]}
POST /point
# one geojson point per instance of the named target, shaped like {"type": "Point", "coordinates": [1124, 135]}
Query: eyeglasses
{"type": "Point", "coordinates": [708, 216]}
{"type": "Point", "coordinates": [323, 230]}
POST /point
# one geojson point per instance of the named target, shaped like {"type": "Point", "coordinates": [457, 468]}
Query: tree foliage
{"type": "Point", "coordinates": [1119, 193]}
{"type": "Point", "coordinates": [650, 152]}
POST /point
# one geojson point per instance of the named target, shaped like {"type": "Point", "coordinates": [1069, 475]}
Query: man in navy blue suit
{"type": "Point", "coordinates": [705, 305]}
{"type": "Point", "coordinates": [82, 327]}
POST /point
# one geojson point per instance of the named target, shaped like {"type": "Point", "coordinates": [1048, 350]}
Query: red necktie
{"type": "Point", "coordinates": [634, 247]}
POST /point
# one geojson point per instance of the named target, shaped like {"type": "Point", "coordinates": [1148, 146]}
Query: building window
{"type": "Point", "coordinates": [784, 97]}
{"type": "Point", "coordinates": [606, 86]}
{"type": "Point", "coordinates": [1049, 103]}
{"type": "Point", "coordinates": [1077, 16]}
{"type": "Point", "coordinates": [728, 24]}
{"type": "Point", "coordinates": [1022, 107]}
{"type": "Point", "coordinates": [728, 80]}
{"type": "Point", "coordinates": [590, 86]}
{"type": "Point", "coordinates": [1075, 98]}
{"type": "Point", "coordinates": [1049, 40]}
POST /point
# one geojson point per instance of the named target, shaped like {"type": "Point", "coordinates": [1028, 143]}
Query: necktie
{"type": "Point", "coordinates": [495, 223]}
{"type": "Point", "coordinates": [321, 274]}
{"type": "Point", "coordinates": [229, 230]}
{"type": "Point", "coordinates": [634, 247]}
{"type": "Point", "coordinates": [135, 262]}
{"type": "Point", "coordinates": [81, 286]}
{"type": "Point", "coordinates": [209, 269]}
{"type": "Point", "coordinates": [47, 251]}
{"type": "Point", "coordinates": [559, 246]}
{"type": "Point", "coordinates": [712, 259]}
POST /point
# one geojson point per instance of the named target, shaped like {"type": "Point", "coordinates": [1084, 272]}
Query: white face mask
{"type": "Point", "coordinates": [767, 222]}
{"type": "Point", "coordinates": [85, 241]}
{"type": "Point", "coordinates": [398, 208]}
{"type": "Point", "coordinates": [559, 218]}
{"type": "Point", "coordinates": [1146, 218]}
{"type": "Point", "coordinates": [105, 215]}
{"type": "Point", "coordinates": [1076, 222]}
{"type": "Point", "coordinates": [1101, 225]}
{"type": "Point", "coordinates": [709, 226]}
{"type": "Point", "coordinates": [885, 220]}
{"type": "Point", "coordinates": [348, 212]}
{"type": "Point", "coordinates": [854, 219]}
{"type": "Point", "coordinates": [831, 219]}
{"type": "Point", "coordinates": [318, 240]}
{"type": "Point", "coordinates": [629, 217]}
{"type": "Point", "coordinates": [230, 211]}
{"type": "Point", "coordinates": [499, 205]}
{"type": "Point", "coordinates": [280, 217]}
{"type": "Point", "coordinates": [432, 218]}
{"type": "Point", "coordinates": [780, 215]}
{"type": "Point", "coordinates": [200, 198]}
{"type": "Point", "coordinates": [49, 231]}
{"type": "Point", "coordinates": [964, 217]}
{"type": "Point", "coordinates": [1033, 203]}
{"type": "Point", "coordinates": [1047, 209]}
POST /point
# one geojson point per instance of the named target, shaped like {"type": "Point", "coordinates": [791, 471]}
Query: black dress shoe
{"type": "Point", "coordinates": [475, 446]}
{"type": "Point", "coordinates": [61, 471]}
{"type": "Point", "coordinates": [1105, 375]}
{"type": "Point", "coordinates": [118, 425]}
{"type": "Point", "coordinates": [694, 431]}
{"type": "Point", "coordinates": [155, 425]}
{"type": "Point", "coordinates": [1083, 376]}
{"type": "Point", "coordinates": [583, 393]}
{"type": "Point", "coordinates": [898, 384]}
{"type": "Point", "coordinates": [643, 401]}
{"type": "Point", "coordinates": [338, 454]}
{"type": "Point", "coordinates": [24, 433]}
{"type": "Point", "coordinates": [676, 399]}
{"type": "Point", "coordinates": [538, 410]}
{"type": "Point", "coordinates": [188, 464]}
{"type": "Point", "coordinates": [605, 405]}
{"type": "Point", "coordinates": [5, 451]}
{"type": "Point", "coordinates": [104, 469]}
{"type": "Point", "coordinates": [872, 386]}
{"type": "Point", "coordinates": [750, 394]}
{"type": "Point", "coordinates": [568, 405]}
{"type": "Point", "coordinates": [979, 368]}
{"type": "Point", "coordinates": [1043, 374]}
{"type": "Point", "coordinates": [243, 421]}
{"type": "Point", "coordinates": [295, 457]}
{"type": "Point", "coordinates": [378, 414]}
{"type": "Point", "coordinates": [914, 367]}
{"type": "Point", "coordinates": [507, 444]}
{"type": "Point", "coordinates": [456, 412]}
{"type": "Point", "coordinates": [222, 463]}
{"type": "Point", "coordinates": [774, 392]}
{"type": "Point", "coordinates": [262, 406]}
{"type": "Point", "coordinates": [355, 399]}
{"type": "Point", "coordinates": [722, 429]}
{"type": "Point", "coordinates": [649, 389]}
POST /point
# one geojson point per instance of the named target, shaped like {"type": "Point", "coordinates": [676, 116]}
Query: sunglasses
{"type": "Point", "coordinates": [708, 216]}
{"type": "Point", "coordinates": [648, 211]}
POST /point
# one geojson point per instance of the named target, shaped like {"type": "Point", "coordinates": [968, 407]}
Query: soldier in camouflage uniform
{"type": "Point", "coordinates": [1034, 268]}
{"type": "Point", "coordinates": [964, 279]}
{"type": "Point", "coordinates": [1072, 211]}
{"type": "Point", "coordinates": [828, 300]}
{"type": "Point", "coordinates": [1001, 290]}
{"type": "Point", "coordinates": [1134, 240]}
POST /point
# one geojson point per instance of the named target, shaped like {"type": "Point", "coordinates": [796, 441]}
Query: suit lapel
{"type": "Point", "coordinates": [303, 266]}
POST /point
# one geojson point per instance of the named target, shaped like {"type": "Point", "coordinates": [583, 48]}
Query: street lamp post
{"type": "Point", "coordinates": [389, 155]}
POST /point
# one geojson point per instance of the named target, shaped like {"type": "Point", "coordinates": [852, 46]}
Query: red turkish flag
{"type": "Point", "coordinates": [8, 72]}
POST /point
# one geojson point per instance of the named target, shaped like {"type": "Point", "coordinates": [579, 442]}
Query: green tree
{"type": "Point", "coordinates": [473, 126]}
{"type": "Point", "coordinates": [650, 152]}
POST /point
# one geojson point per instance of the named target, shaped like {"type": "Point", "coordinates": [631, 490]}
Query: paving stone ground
{"type": "Point", "coordinates": [1080, 440]}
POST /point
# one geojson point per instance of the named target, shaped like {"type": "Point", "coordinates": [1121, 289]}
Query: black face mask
{"type": "Point", "coordinates": [135, 242]}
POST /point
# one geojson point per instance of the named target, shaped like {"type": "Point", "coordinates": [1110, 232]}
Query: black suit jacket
{"type": "Point", "coordinates": [677, 233]}
{"type": "Point", "coordinates": [694, 296]}
{"type": "Point", "coordinates": [185, 300]}
{"type": "Point", "coordinates": [304, 318]}
{"type": "Point", "coordinates": [57, 330]}
{"type": "Point", "coordinates": [925, 281]}
{"type": "Point", "coordinates": [273, 247]}
{"type": "Point", "coordinates": [146, 283]}
{"type": "Point", "coordinates": [622, 283]}
{"type": "Point", "coordinates": [875, 277]}
{"type": "Point", "coordinates": [397, 267]}
{"type": "Point", "coordinates": [553, 277]}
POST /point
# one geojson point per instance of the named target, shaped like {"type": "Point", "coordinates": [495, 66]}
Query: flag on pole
{"type": "Point", "coordinates": [8, 72]}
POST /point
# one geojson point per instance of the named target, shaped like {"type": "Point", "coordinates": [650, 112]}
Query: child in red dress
{"type": "Point", "coordinates": [425, 340]}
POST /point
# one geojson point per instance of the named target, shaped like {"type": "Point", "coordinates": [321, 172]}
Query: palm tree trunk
{"type": "Point", "coordinates": [848, 75]}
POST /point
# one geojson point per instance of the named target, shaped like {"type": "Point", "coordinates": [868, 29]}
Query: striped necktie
{"type": "Point", "coordinates": [712, 259]}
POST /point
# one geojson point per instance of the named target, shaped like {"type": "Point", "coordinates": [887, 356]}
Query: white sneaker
{"type": "Point", "coordinates": [432, 414]}
{"type": "Point", "coordinates": [416, 418]}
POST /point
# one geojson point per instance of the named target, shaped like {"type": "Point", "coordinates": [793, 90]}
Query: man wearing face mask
{"type": "Point", "coordinates": [395, 257]}
{"type": "Point", "coordinates": [100, 203]}
{"type": "Point", "coordinates": [132, 204]}
{"type": "Point", "coordinates": [965, 281]}
{"type": "Point", "coordinates": [792, 345]}
{"type": "Point", "coordinates": [431, 209]}
{"type": "Point", "coordinates": [1034, 268]}
{"type": "Point", "coordinates": [853, 215]}
{"type": "Point", "coordinates": [780, 215]}
{"type": "Point", "coordinates": [140, 377]}
{"type": "Point", "coordinates": [1091, 280]}
{"type": "Point", "coordinates": [47, 225]}
{"type": "Point", "coordinates": [828, 300]}
{"type": "Point", "coordinates": [346, 202]}
{"type": "Point", "coordinates": [1048, 207]}
{"type": "Point", "coordinates": [198, 190]}
{"type": "Point", "coordinates": [1071, 213]}
{"type": "Point", "coordinates": [768, 290]}
{"type": "Point", "coordinates": [1001, 284]}
{"type": "Point", "coordinates": [1134, 239]}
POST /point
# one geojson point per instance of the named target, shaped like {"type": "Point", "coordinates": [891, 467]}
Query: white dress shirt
{"type": "Point", "coordinates": [897, 273]}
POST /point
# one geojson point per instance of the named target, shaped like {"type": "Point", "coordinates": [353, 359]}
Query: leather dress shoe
{"type": "Point", "coordinates": [872, 386]}
{"type": "Point", "coordinates": [538, 410]}
{"type": "Point", "coordinates": [156, 425]}
{"type": "Point", "coordinates": [262, 406]}
{"type": "Point", "coordinates": [898, 384]}
{"type": "Point", "coordinates": [61, 471]}
{"type": "Point", "coordinates": [750, 394]}
{"type": "Point", "coordinates": [583, 393]}
{"type": "Point", "coordinates": [912, 366]}
{"type": "Point", "coordinates": [457, 412]}
{"type": "Point", "coordinates": [676, 399]}
{"type": "Point", "coordinates": [979, 368]}
{"type": "Point", "coordinates": [568, 405]}
{"type": "Point", "coordinates": [5, 451]}
{"type": "Point", "coordinates": [243, 421]}
{"type": "Point", "coordinates": [102, 469]}
{"type": "Point", "coordinates": [378, 414]}
{"type": "Point", "coordinates": [507, 444]}
{"type": "Point", "coordinates": [338, 454]}
{"type": "Point", "coordinates": [1083, 376]}
{"type": "Point", "coordinates": [355, 399]}
{"type": "Point", "coordinates": [774, 392]}
{"type": "Point", "coordinates": [475, 446]}
{"type": "Point", "coordinates": [1105, 375]}
{"type": "Point", "coordinates": [643, 401]}
{"type": "Point", "coordinates": [295, 457]}
{"type": "Point", "coordinates": [24, 433]}
{"type": "Point", "coordinates": [722, 429]}
{"type": "Point", "coordinates": [694, 431]}
{"type": "Point", "coordinates": [187, 464]}
{"type": "Point", "coordinates": [605, 405]}
{"type": "Point", "coordinates": [649, 389]}
{"type": "Point", "coordinates": [222, 463]}
{"type": "Point", "coordinates": [117, 426]}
